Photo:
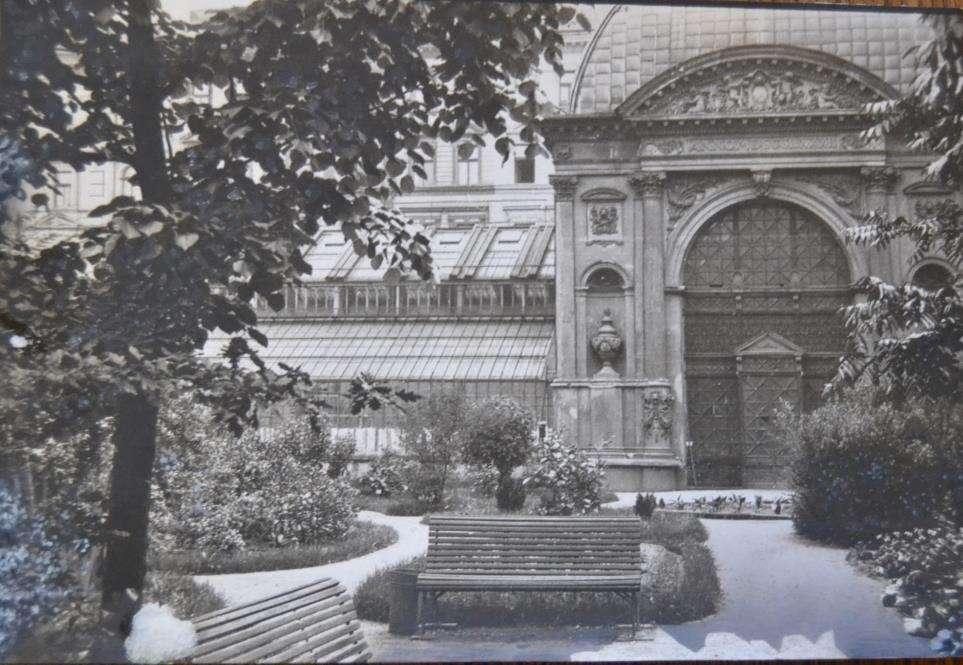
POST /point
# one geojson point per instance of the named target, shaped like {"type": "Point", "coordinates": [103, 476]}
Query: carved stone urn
{"type": "Point", "coordinates": [607, 344]}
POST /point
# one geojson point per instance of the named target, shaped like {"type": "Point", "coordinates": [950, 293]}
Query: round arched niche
{"type": "Point", "coordinates": [605, 304]}
{"type": "Point", "coordinates": [933, 276]}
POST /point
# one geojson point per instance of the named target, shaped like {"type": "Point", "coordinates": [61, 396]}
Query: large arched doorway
{"type": "Point", "coordinates": [764, 281]}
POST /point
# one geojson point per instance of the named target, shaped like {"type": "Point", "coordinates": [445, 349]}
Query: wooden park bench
{"type": "Point", "coordinates": [312, 623]}
{"type": "Point", "coordinates": [521, 553]}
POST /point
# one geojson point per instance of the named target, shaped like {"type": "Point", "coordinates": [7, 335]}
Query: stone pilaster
{"type": "Point", "coordinates": [565, 315]}
{"type": "Point", "coordinates": [878, 185]}
{"type": "Point", "coordinates": [649, 271]}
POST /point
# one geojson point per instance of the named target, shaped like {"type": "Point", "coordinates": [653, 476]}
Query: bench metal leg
{"type": "Point", "coordinates": [635, 625]}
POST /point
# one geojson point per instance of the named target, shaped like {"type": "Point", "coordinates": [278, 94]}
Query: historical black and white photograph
{"type": "Point", "coordinates": [461, 330]}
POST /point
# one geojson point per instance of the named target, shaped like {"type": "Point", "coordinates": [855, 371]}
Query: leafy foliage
{"type": "Point", "coordinates": [569, 484]}
{"type": "Point", "coordinates": [431, 439]}
{"type": "Point", "coordinates": [34, 575]}
{"type": "Point", "coordinates": [328, 105]}
{"type": "Point", "coordinates": [925, 565]}
{"type": "Point", "coordinates": [498, 434]}
{"type": "Point", "coordinates": [644, 505]}
{"type": "Point", "coordinates": [385, 476]}
{"type": "Point", "coordinates": [218, 493]}
{"type": "Point", "coordinates": [862, 466]}
{"type": "Point", "coordinates": [905, 338]}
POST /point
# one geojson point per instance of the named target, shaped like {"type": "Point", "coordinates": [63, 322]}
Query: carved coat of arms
{"type": "Point", "coordinates": [604, 220]}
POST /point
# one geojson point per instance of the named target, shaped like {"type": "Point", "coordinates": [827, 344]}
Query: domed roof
{"type": "Point", "coordinates": [635, 43]}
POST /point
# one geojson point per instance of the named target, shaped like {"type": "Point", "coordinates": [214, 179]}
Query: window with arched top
{"type": "Point", "coordinates": [605, 279]}
{"type": "Point", "coordinates": [932, 276]}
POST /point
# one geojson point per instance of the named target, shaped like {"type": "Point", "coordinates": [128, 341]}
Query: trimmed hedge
{"type": "Point", "coordinates": [862, 468]}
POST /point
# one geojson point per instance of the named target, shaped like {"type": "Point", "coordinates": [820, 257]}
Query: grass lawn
{"type": "Point", "coordinates": [362, 538]}
{"type": "Point", "coordinates": [680, 534]}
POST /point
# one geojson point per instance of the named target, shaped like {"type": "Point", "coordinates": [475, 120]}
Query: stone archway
{"type": "Point", "coordinates": [764, 280]}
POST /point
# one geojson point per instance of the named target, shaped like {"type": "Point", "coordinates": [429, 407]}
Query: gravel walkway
{"type": "Point", "coordinates": [784, 598]}
{"type": "Point", "coordinates": [242, 587]}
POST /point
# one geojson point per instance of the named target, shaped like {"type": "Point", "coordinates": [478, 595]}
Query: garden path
{"type": "Point", "coordinates": [243, 587]}
{"type": "Point", "coordinates": [785, 597]}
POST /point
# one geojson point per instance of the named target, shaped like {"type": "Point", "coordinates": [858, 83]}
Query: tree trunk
{"type": "Point", "coordinates": [125, 562]}
{"type": "Point", "coordinates": [135, 426]}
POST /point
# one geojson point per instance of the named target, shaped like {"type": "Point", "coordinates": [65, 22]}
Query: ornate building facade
{"type": "Point", "coordinates": [705, 178]}
{"type": "Point", "coordinates": [661, 284]}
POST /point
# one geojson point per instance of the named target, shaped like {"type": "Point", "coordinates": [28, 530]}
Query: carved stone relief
{"type": "Point", "coordinates": [604, 220]}
{"type": "Point", "coordinates": [843, 188]}
{"type": "Point", "coordinates": [685, 191]}
{"type": "Point", "coordinates": [657, 412]}
{"type": "Point", "coordinates": [879, 178]}
{"type": "Point", "coordinates": [750, 88]}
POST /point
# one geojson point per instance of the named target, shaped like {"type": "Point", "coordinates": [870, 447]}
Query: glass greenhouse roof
{"type": "Point", "coordinates": [479, 251]}
{"type": "Point", "coordinates": [407, 350]}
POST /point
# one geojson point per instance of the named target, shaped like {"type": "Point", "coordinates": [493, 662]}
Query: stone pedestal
{"type": "Point", "coordinates": [628, 425]}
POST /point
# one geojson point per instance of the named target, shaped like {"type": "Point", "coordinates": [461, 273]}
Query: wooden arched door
{"type": "Point", "coordinates": [764, 281]}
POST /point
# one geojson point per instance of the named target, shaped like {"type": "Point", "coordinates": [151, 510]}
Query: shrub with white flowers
{"type": "Point", "coordinates": [569, 483]}
{"type": "Point", "coordinates": [215, 492]}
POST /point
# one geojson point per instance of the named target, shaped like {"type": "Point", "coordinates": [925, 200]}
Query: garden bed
{"type": "Point", "coordinates": [732, 506]}
{"type": "Point", "coordinates": [695, 596]}
{"type": "Point", "coordinates": [361, 538]}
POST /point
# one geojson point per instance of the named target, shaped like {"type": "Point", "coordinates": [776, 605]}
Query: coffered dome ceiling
{"type": "Point", "coordinates": [635, 44]}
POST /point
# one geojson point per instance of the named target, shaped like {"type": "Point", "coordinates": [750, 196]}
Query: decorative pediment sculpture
{"type": "Point", "coordinates": [757, 81]}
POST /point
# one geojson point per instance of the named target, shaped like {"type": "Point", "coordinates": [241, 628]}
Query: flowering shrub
{"type": "Point", "coordinates": [218, 493]}
{"type": "Point", "coordinates": [34, 577]}
{"type": "Point", "coordinates": [862, 468]}
{"type": "Point", "coordinates": [926, 566]}
{"type": "Point", "coordinates": [569, 483]}
{"type": "Point", "coordinates": [385, 477]}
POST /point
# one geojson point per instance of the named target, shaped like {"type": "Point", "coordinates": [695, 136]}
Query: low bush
{"type": "Point", "coordinates": [925, 566]}
{"type": "Point", "coordinates": [684, 535]}
{"type": "Point", "coordinates": [216, 493]}
{"type": "Point", "coordinates": [862, 467]}
{"type": "Point", "coordinates": [510, 495]}
{"type": "Point", "coordinates": [185, 597]}
{"type": "Point", "coordinates": [339, 456]}
{"type": "Point", "coordinates": [408, 506]}
{"type": "Point", "coordinates": [644, 505]}
{"type": "Point", "coordinates": [385, 477]}
{"type": "Point", "coordinates": [360, 539]}
{"type": "Point", "coordinates": [569, 483]}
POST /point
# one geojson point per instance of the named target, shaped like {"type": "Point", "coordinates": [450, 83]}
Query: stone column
{"type": "Point", "coordinates": [879, 182]}
{"type": "Point", "coordinates": [565, 319]}
{"type": "Point", "coordinates": [649, 271]}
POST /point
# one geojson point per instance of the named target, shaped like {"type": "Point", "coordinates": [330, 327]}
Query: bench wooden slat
{"type": "Point", "coordinates": [277, 602]}
{"type": "Point", "coordinates": [327, 598]}
{"type": "Point", "coordinates": [332, 628]}
{"type": "Point", "coordinates": [233, 644]}
{"type": "Point", "coordinates": [316, 646]}
{"type": "Point", "coordinates": [204, 619]}
{"type": "Point", "coordinates": [340, 654]}
{"type": "Point", "coordinates": [314, 621]}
